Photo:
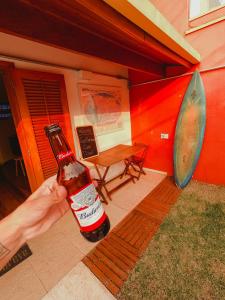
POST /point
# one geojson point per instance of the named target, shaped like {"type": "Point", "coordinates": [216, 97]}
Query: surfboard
{"type": "Point", "coordinates": [189, 133]}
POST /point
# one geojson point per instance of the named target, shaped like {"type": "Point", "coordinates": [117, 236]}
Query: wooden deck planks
{"type": "Point", "coordinates": [116, 255]}
{"type": "Point", "coordinates": [101, 276]}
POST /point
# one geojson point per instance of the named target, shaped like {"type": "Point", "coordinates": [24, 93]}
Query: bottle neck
{"type": "Point", "coordinates": [61, 149]}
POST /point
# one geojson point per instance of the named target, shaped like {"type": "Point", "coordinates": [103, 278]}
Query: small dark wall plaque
{"type": "Point", "coordinates": [87, 141]}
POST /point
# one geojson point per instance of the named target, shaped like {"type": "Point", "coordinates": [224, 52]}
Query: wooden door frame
{"type": "Point", "coordinates": [7, 69]}
{"type": "Point", "coordinates": [34, 162]}
{"type": "Point", "coordinates": [21, 117]}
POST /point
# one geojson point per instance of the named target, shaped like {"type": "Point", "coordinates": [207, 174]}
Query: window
{"type": "Point", "coordinates": [201, 7]}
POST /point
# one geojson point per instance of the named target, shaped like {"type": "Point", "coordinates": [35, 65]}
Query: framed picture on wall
{"type": "Point", "coordinates": [101, 107]}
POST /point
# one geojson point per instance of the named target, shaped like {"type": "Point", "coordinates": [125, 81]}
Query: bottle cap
{"type": "Point", "coordinates": [52, 128]}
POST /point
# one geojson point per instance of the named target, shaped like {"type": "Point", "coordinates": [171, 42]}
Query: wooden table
{"type": "Point", "coordinates": [112, 156]}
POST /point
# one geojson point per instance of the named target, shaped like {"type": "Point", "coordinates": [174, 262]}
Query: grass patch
{"type": "Point", "coordinates": [186, 257]}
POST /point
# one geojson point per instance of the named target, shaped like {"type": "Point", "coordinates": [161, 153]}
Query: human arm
{"type": "Point", "coordinates": [32, 218]}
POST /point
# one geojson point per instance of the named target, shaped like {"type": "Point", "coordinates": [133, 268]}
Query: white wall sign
{"type": "Point", "coordinates": [101, 107]}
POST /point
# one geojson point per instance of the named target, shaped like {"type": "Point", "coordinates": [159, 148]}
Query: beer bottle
{"type": "Point", "coordinates": [82, 196]}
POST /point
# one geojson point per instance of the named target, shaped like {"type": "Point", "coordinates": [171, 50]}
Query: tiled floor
{"type": "Point", "coordinates": [79, 284]}
{"type": "Point", "coordinates": [112, 260]}
{"type": "Point", "coordinates": [59, 252]}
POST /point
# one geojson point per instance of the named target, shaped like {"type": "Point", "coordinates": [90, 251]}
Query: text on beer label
{"type": "Point", "coordinates": [91, 214]}
{"type": "Point", "coordinates": [63, 155]}
{"type": "Point", "coordinates": [87, 206]}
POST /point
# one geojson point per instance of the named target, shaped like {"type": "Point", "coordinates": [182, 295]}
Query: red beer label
{"type": "Point", "coordinates": [63, 155]}
{"type": "Point", "coordinates": [87, 207]}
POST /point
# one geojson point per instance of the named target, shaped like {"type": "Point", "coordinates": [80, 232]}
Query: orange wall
{"type": "Point", "coordinates": [155, 107]}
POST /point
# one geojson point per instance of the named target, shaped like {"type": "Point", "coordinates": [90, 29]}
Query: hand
{"type": "Point", "coordinates": [42, 209]}
{"type": "Point", "coordinates": [35, 216]}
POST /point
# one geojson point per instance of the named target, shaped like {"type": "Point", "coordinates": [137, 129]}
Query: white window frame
{"type": "Point", "coordinates": [195, 4]}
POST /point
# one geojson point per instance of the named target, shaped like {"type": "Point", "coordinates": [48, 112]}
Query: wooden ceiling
{"type": "Point", "coordinates": [90, 27]}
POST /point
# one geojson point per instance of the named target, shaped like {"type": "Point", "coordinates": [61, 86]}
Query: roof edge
{"type": "Point", "coordinates": [145, 15]}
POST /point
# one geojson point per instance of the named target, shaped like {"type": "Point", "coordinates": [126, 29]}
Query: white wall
{"type": "Point", "coordinates": [22, 48]}
{"type": "Point", "coordinates": [107, 140]}
{"type": "Point", "coordinates": [14, 46]}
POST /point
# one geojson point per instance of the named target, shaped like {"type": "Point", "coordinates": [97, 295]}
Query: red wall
{"type": "Point", "coordinates": [155, 107]}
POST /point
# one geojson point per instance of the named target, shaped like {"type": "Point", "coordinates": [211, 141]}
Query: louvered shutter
{"type": "Point", "coordinates": [45, 103]}
{"type": "Point", "coordinates": [45, 107]}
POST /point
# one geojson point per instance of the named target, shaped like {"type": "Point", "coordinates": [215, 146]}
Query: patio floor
{"type": "Point", "coordinates": [56, 266]}
{"type": "Point", "coordinates": [113, 258]}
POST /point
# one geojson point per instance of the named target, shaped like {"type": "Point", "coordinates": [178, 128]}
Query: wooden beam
{"type": "Point", "coordinates": [99, 18]}
{"type": "Point", "coordinates": [19, 19]}
{"type": "Point", "coordinates": [144, 14]}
